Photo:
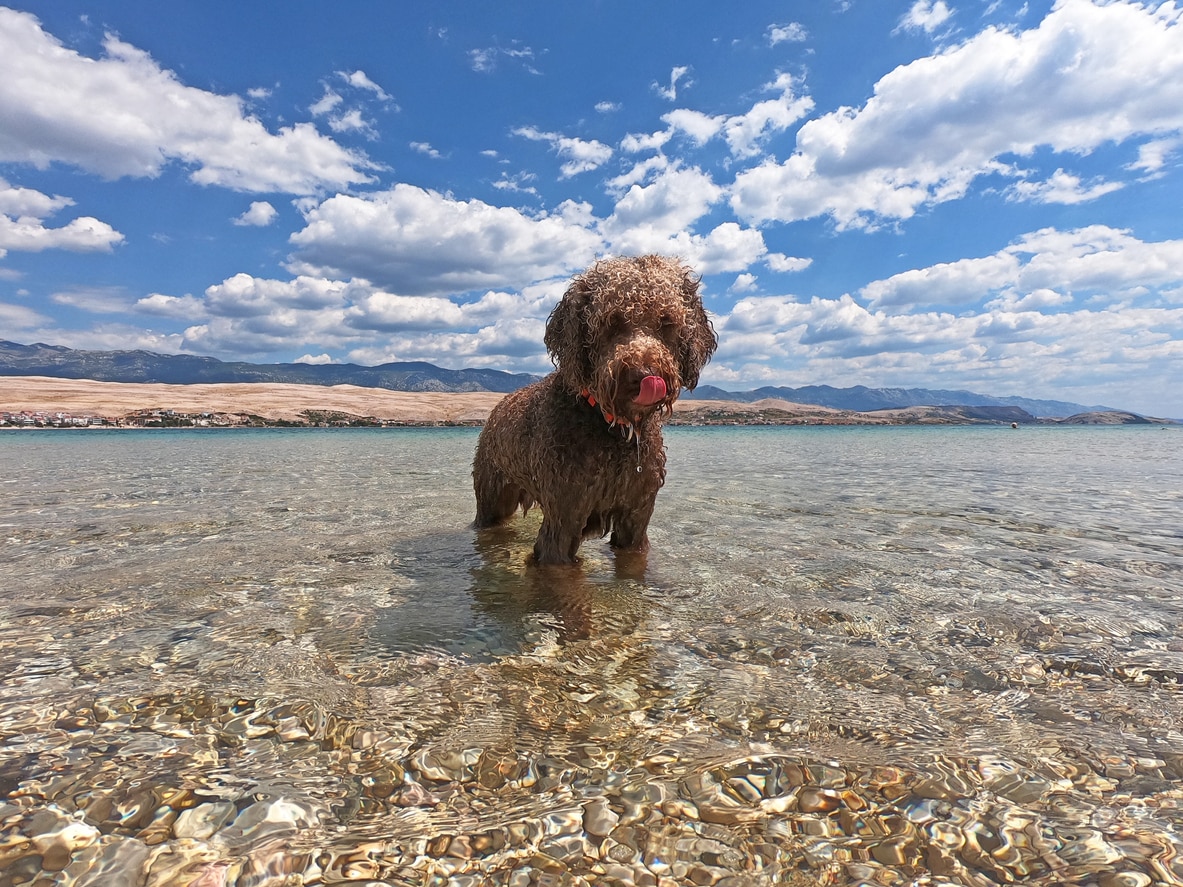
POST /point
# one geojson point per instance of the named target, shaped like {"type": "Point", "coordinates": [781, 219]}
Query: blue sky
{"type": "Point", "coordinates": [977, 194]}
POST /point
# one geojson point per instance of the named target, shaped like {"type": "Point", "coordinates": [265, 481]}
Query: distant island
{"type": "Point", "coordinates": [52, 386]}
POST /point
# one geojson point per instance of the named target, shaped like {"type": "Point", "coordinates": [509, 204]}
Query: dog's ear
{"type": "Point", "coordinates": [566, 336]}
{"type": "Point", "coordinates": [700, 341]}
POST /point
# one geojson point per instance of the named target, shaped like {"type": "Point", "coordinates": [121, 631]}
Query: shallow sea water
{"type": "Point", "coordinates": [854, 655]}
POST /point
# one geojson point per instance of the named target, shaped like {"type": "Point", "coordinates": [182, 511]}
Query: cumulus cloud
{"type": "Point", "coordinates": [124, 115]}
{"type": "Point", "coordinates": [425, 149]}
{"type": "Point", "coordinates": [259, 214]}
{"type": "Point", "coordinates": [260, 316]}
{"type": "Point", "coordinates": [840, 340]}
{"type": "Point", "coordinates": [671, 202]}
{"type": "Point", "coordinates": [580, 155]}
{"type": "Point", "coordinates": [1092, 311]}
{"type": "Point", "coordinates": [926, 15]}
{"type": "Point", "coordinates": [349, 118]}
{"type": "Point", "coordinates": [660, 215]}
{"type": "Point", "coordinates": [519, 183]}
{"type": "Point", "coordinates": [935, 125]}
{"type": "Point", "coordinates": [782, 264]}
{"type": "Point", "coordinates": [417, 242]}
{"type": "Point", "coordinates": [793, 32]}
{"type": "Point", "coordinates": [1096, 259]}
{"type": "Point", "coordinates": [185, 307]}
{"type": "Point", "coordinates": [22, 224]}
{"type": "Point", "coordinates": [744, 133]}
{"type": "Point", "coordinates": [744, 283]}
{"type": "Point", "coordinates": [326, 103]}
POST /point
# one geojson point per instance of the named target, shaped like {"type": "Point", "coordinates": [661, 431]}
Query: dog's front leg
{"type": "Point", "coordinates": [629, 532]}
{"type": "Point", "coordinates": [557, 542]}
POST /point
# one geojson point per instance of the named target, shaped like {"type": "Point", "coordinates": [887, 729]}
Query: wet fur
{"type": "Point", "coordinates": [596, 470]}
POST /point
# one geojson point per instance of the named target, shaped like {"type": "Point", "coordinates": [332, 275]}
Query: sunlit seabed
{"type": "Point", "coordinates": [882, 655]}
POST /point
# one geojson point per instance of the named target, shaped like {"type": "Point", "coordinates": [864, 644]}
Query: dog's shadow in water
{"type": "Point", "coordinates": [476, 595]}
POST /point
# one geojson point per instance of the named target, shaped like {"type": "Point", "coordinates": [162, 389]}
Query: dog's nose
{"type": "Point", "coordinates": [652, 391]}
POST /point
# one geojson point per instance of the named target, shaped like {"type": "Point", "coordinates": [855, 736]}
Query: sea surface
{"type": "Point", "coordinates": [853, 656]}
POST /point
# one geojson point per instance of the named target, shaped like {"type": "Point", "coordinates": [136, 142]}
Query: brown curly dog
{"type": "Point", "coordinates": [585, 442]}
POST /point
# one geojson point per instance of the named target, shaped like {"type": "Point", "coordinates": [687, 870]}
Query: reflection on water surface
{"type": "Point", "coordinates": [888, 656]}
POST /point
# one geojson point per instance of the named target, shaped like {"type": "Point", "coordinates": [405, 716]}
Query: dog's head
{"type": "Point", "coordinates": [631, 333]}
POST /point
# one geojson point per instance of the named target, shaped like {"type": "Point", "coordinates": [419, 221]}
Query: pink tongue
{"type": "Point", "coordinates": [652, 391]}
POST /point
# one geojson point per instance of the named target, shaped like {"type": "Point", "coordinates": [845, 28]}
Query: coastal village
{"type": "Point", "coordinates": [158, 418]}
{"type": "Point", "coordinates": [712, 414]}
{"type": "Point", "coordinates": [138, 419]}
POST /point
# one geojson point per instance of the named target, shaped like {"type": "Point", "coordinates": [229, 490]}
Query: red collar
{"type": "Point", "coordinates": [612, 420]}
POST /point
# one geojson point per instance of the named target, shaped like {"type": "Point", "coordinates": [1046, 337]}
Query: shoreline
{"type": "Point", "coordinates": [46, 402]}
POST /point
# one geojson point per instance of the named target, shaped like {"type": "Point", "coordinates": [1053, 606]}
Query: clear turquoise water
{"type": "Point", "coordinates": [889, 655]}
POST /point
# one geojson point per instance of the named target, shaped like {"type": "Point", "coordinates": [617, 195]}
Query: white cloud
{"type": "Point", "coordinates": [670, 204]}
{"type": "Point", "coordinates": [926, 15]}
{"type": "Point", "coordinates": [22, 224]}
{"type": "Point", "coordinates": [484, 61]}
{"type": "Point", "coordinates": [519, 183]}
{"type": "Point", "coordinates": [745, 133]}
{"type": "Point", "coordinates": [793, 32]}
{"type": "Point", "coordinates": [18, 202]}
{"type": "Point", "coordinates": [84, 234]}
{"type": "Point", "coordinates": [425, 149]}
{"type": "Point", "coordinates": [95, 299]}
{"type": "Point", "coordinates": [634, 143]}
{"type": "Point", "coordinates": [387, 312]}
{"type": "Point", "coordinates": [114, 337]}
{"type": "Point", "coordinates": [670, 92]}
{"type": "Point", "coordinates": [1062, 187]}
{"type": "Point", "coordinates": [744, 283]}
{"type": "Point", "coordinates": [259, 214]}
{"type": "Point", "coordinates": [699, 127]}
{"type": "Point", "coordinates": [607, 107]}
{"type": "Point", "coordinates": [782, 264]}
{"type": "Point", "coordinates": [581, 155]}
{"type": "Point", "coordinates": [1153, 155]}
{"type": "Point", "coordinates": [185, 307]}
{"type": "Point", "coordinates": [352, 121]}
{"type": "Point", "coordinates": [359, 80]}
{"type": "Point", "coordinates": [123, 115]}
{"type": "Point", "coordinates": [260, 316]}
{"type": "Point", "coordinates": [1001, 350]}
{"type": "Point", "coordinates": [326, 103]}
{"type": "Point", "coordinates": [1096, 259]}
{"type": "Point", "coordinates": [19, 317]}
{"type": "Point", "coordinates": [417, 242]}
{"type": "Point", "coordinates": [315, 360]}
{"type": "Point", "coordinates": [935, 125]}
{"type": "Point", "coordinates": [245, 296]}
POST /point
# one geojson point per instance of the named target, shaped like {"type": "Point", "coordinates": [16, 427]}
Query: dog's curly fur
{"type": "Point", "coordinates": [582, 443]}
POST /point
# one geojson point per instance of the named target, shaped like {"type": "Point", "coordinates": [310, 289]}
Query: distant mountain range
{"type": "Point", "coordinates": [865, 400]}
{"type": "Point", "coordinates": [59, 362]}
